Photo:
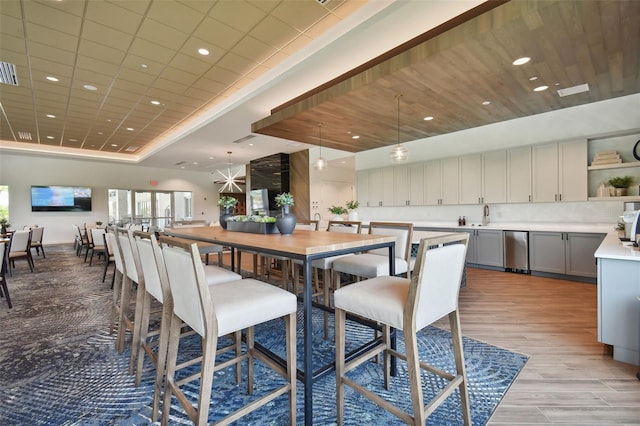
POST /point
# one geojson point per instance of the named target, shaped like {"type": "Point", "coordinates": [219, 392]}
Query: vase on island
{"type": "Point", "coordinates": [226, 212]}
{"type": "Point", "coordinates": [286, 222]}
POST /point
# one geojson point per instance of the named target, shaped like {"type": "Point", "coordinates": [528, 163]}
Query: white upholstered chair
{"type": "Point", "coordinates": [36, 240]}
{"type": "Point", "coordinates": [97, 244]}
{"type": "Point", "coordinates": [217, 310]}
{"type": "Point", "coordinates": [20, 248]}
{"type": "Point", "coordinates": [375, 263]}
{"type": "Point", "coordinates": [408, 305]}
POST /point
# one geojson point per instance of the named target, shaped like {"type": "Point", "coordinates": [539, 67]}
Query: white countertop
{"type": "Point", "coordinates": [613, 248]}
{"type": "Point", "coordinates": [598, 228]}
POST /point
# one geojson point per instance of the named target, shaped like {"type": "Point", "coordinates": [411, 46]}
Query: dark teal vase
{"type": "Point", "coordinates": [228, 212]}
{"type": "Point", "coordinates": [286, 222]}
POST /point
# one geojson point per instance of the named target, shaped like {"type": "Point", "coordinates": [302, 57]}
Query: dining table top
{"type": "Point", "coordinates": [301, 242]}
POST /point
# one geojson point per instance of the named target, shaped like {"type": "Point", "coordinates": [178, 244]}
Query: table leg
{"type": "Point", "coordinates": [308, 342]}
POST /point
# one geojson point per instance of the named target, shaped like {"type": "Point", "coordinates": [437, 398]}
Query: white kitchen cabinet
{"type": "Point", "coordinates": [416, 184]}
{"type": "Point", "coordinates": [402, 184]}
{"type": "Point", "coordinates": [376, 188]}
{"type": "Point", "coordinates": [560, 171]}
{"type": "Point", "coordinates": [388, 187]}
{"type": "Point", "coordinates": [564, 253]}
{"type": "Point", "coordinates": [433, 182]}
{"type": "Point", "coordinates": [362, 187]}
{"type": "Point", "coordinates": [494, 177]}
{"type": "Point", "coordinates": [486, 248]}
{"type": "Point", "coordinates": [471, 179]}
{"type": "Point", "coordinates": [519, 175]}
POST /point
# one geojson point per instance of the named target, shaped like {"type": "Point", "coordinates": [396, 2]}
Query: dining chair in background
{"type": "Point", "coordinates": [216, 310]}
{"type": "Point", "coordinates": [20, 248]}
{"type": "Point", "coordinates": [408, 305]}
{"type": "Point", "coordinates": [4, 289]}
{"type": "Point", "coordinates": [36, 240]}
{"type": "Point", "coordinates": [97, 244]}
{"type": "Point", "coordinates": [108, 256]}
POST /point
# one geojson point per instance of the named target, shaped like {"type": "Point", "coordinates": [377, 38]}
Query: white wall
{"type": "Point", "coordinates": [19, 172]}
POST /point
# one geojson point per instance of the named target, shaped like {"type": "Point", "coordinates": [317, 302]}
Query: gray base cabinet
{"type": "Point", "coordinates": [564, 253]}
{"type": "Point", "coordinates": [486, 248]}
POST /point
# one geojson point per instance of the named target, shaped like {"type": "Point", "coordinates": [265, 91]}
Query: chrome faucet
{"type": "Point", "coordinates": [485, 215]}
{"type": "Point", "coordinates": [317, 216]}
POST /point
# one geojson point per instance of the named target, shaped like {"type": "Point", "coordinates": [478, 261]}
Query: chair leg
{"type": "Point", "coordinates": [142, 336]}
{"type": "Point", "coordinates": [117, 292]}
{"type": "Point", "coordinates": [206, 378]}
{"type": "Point", "coordinates": [44, 256]}
{"type": "Point", "coordinates": [135, 339]}
{"type": "Point", "coordinates": [163, 344]}
{"type": "Point", "coordinates": [172, 357]}
{"type": "Point", "coordinates": [249, 340]}
{"type": "Point", "coordinates": [5, 291]}
{"type": "Point", "coordinates": [339, 331]}
{"type": "Point", "coordinates": [456, 337]}
{"type": "Point", "coordinates": [415, 382]}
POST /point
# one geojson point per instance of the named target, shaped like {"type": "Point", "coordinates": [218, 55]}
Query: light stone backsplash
{"type": "Point", "coordinates": [596, 212]}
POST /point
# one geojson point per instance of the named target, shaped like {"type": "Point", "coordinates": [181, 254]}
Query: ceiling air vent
{"type": "Point", "coordinates": [323, 2]}
{"type": "Point", "coordinates": [573, 90]}
{"type": "Point", "coordinates": [180, 163]}
{"type": "Point", "coordinates": [8, 74]}
{"type": "Point", "coordinates": [25, 136]}
{"type": "Point", "coordinates": [244, 139]}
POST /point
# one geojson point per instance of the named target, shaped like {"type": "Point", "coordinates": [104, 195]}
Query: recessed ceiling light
{"type": "Point", "coordinates": [486, 103]}
{"type": "Point", "coordinates": [144, 66]}
{"type": "Point", "coordinates": [100, 133]}
{"type": "Point", "coordinates": [250, 144]}
{"type": "Point", "coordinates": [51, 116]}
{"type": "Point", "coordinates": [521, 61]}
{"type": "Point", "coordinates": [155, 102]}
{"type": "Point", "coordinates": [540, 88]}
{"type": "Point", "coordinates": [114, 145]}
{"type": "Point", "coordinates": [195, 163]}
{"type": "Point", "coordinates": [533, 78]}
{"type": "Point", "coordinates": [429, 118]}
{"type": "Point", "coordinates": [76, 140]}
{"type": "Point", "coordinates": [90, 87]}
{"type": "Point", "coordinates": [51, 78]}
{"type": "Point", "coordinates": [355, 137]}
{"type": "Point", "coordinates": [131, 129]}
{"type": "Point", "coordinates": [211, 158]}
{"type": "Point", "coordinates": [203, 51]}
{"type": "Point", "coordinates": [49, 137]}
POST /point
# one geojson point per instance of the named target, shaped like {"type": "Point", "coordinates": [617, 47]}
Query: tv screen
{"type": "Point", "coordinates": [60, 199]}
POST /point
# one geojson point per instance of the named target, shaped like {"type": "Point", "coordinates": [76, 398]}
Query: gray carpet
{"type": "Point", "coordinates": [58, 365]}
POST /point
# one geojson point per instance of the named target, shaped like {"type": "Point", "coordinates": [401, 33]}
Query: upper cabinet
{"type": "Point", "coordinates": [559, 171]}
{"type": "Point", "coordinates": [441, 181]}
{"type": "Point", "coordinates": [409, 184]}
{"type": "Point", "coordinates": [519, 175]}
{"type": "Point", "coordinates": [483, 178]}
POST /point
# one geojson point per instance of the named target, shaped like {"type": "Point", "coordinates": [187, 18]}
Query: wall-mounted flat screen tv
{"type": "Point", "coordinates": [60, 199]}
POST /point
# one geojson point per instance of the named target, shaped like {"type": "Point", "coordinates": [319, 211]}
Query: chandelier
{"type": "Point", "coordinates": [230, 181]}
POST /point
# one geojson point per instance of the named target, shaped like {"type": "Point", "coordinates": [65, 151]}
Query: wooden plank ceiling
{"type": "Point", "coordinates": [451, 73]}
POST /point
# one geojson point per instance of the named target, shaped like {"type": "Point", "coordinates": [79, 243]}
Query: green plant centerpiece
{"type": "Point", "coordinates": [4, 224]}
{"type": "Point", "coordinates": [286, 222]}
{"type": "Point", "coordinates": [621, 183]}
{"type": "Point", "coordinates": [352, 207]}
{"type": "Point", "coordinates": [337, 212]}
{"type": "Point", "coordinates": [227, 204]}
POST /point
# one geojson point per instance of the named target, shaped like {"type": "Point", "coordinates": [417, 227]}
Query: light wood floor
{"type": "Point", "coordinates": [570, 378]}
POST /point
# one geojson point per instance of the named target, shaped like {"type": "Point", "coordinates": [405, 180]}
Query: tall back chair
{"type": "Point", "coordinates": [20, 248]}
{"type": "Point", "coordinates": [375, 263]}
{"type": "Point", "coordinates": [408, 305]}
{"type": "Point", "coordinates": [118, 277]}
{"type": "Point", "coordinates": [36, 240]}
{"type": "Point", "coordinates": [213, 311]}
{"type": "Point", "coordinates": [109, 257]}
{"type": "Point", "coordinates": [4, 290]}
{"type": "Point", "coordinates": [97, 243]}
{"type": "Point", "coordinates": [130, 284]}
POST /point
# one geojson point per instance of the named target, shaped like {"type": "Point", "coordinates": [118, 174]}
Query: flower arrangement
{"type": "Point", "coordinates": [251, 218]}
{"type": "Point", "coordinates": [227, 202]}
{"type": "Point", "coordinates": [337, 210]}
{"type": "Point", "coordinates": [353, 204]}
{"type": "Point", "coordinates": [284, 199]}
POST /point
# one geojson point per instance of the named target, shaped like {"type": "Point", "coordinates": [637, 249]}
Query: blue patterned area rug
{"type": "Point", "coordinates": [74, 376]}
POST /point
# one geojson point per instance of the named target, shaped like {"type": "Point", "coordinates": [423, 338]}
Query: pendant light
{"type": "Point", "coordinates": [320, 163]}
{"type": "Point", "coordinates": [399, 153]}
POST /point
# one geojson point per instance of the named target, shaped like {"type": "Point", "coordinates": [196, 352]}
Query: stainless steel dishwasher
{"type": "Point", "coordinates": [516, 251]}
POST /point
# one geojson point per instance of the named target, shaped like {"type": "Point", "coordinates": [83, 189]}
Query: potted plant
{"type": "Point", "coordinates": [352, 207]}
{"type": "Point", "coordinates": [227, 203]}
{"type": "Point", "coordinates": [337, 211]}
{"type": "Point", "coordinates": [286, 222]}
{"type": "Point", "coordinates": [98, 223]}
{"type": "Point", "coordinates": [620, 228]}
{"type": "Point", "coordinates": [4, 224]}
{"type": "Point", "coordinates": [621, 183]}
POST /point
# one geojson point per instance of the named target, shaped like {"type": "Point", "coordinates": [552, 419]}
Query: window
{"type": "Point", "coordinates": [149, 208]}
{"type": "Point", "coordinates": [4, 201]}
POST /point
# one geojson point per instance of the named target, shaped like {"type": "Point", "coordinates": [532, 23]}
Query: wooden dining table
{"type": "Point", "coordinates": [305, 246]}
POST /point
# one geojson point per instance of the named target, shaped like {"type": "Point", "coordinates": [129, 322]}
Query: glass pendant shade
{"type": "Point", "coordinates": [320, 163]}
{"type": "Point", "coordinates": [399, 153]}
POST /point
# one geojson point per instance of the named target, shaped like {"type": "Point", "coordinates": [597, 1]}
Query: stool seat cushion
{"type": "Point", "coordinates": [368, 265]}
{"type": "Point", "coordinates": [216, 275]}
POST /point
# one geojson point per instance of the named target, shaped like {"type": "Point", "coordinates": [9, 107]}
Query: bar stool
{"type": "Point", "coordinates": [408, 305]}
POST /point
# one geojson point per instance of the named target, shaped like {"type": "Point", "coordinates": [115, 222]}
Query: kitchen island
{"type": "Point", "coordinates": [618, 292]}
